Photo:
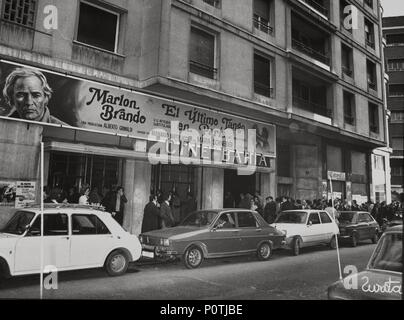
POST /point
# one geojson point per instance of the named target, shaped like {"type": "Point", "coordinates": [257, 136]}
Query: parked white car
{"type": "Point", "coordinates": [304, 228]}
{"type": "Point", "coordinates": [75, 237]}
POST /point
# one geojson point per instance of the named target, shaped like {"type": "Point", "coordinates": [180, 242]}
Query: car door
{"type": "Point", "coordinates": [314, 229]}
{"type": "Point", "coordinates": [363, 226]}
{"type": "Point", "coordinates": [56, 245]}
{"type": "Point", "coordinates": [224, 237]}
{"type": "Point", "coordinates": [250, 232]}
{"type": "Point", "coordinates": [90, 240]}
{"type": "Point", "coordinates": [327, 226]}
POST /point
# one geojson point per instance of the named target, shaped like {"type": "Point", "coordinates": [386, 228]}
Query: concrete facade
{"type": "Point", "coordinates": [152, 56]}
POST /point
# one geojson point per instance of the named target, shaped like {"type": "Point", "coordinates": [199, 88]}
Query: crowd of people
{"type": "Point", "coordinates": [113, 199]}
{"type": "Point", "coordinates": [270, 208]}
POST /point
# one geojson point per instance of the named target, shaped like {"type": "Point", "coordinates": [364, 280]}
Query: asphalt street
{"type": "Point", "coordinates": [284, 276]}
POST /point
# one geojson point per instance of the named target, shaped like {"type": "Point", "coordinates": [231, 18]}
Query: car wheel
{"type": "Point", "coordinates": [117, 263]}
{"type": "Point", "coordinates": [264, 251]}
{"type": "Point", "coordinates": [296, 246]}
{"type": "Point", "coordinates": [354, 240]}
{"type": "Point", "coordinates": [333, 242]}
{"type": "Point", "coordinates": [375, 237]}
{"type": "Point", "coordinates": [193, 257]}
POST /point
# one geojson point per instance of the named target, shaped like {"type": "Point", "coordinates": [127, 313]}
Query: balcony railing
{"type": "Point", "coordinates": [263, 90]}
{"type": "Point", "coordinates": [202, 69]}
{"type": "Point", "coordinates": [311, 106]}
{"type": "Point", "coordinates": [262, 24]}
{"type": "Point", "coordinates": [310, 52]}
{"type": "Point", "coordinates": [315, 5]}
{"type": "Point", "coordinates": [347, 71]}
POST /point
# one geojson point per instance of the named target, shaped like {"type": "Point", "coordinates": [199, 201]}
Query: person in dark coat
{"type": "Point", "coordinates": [115, 204]}
{"type": "Point", "coordinates": [188, 206]}
{"type": "Point", "coordinates": [229, 201]}
{"type": "Point", "coordinates": [151, 215]}
{"type": "Point", "coordinates": [167, 219]}
{"type": "Point", "coordinates": [270, 210]}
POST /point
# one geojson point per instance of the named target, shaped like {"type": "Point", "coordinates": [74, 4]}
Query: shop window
{"type": "Point", "coordinates": [202, 53]}
{"type": "Point", "coordinates": [21, 12]}
{"type": "Point", "coordinates": [358, 163]}
{"type": "Point", "coordinates": [395, 64]}
{"type": "Point", "coordinates": [262, 76]}
{"type": "Point", "coordinates": [374, 118]}
{"type": "Point", "coordinates": [347, 60]}
{"type": "Point", "coordinates": [371, 75]}
{"type": "Point", "coordinates": [98, 27]}
{"type": "Point", "coordinates": [349, 108]}
{"type": "Point", "coordinates": [262, 15]}
{"type": "Point", "coordinates": [369, 34]}
{"type": "Point", "coordinates": [396, 90]}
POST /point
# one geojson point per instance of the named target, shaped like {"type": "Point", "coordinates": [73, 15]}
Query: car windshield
{"type": "Point", "coordinates": [292, 217]}
{"type": "Point", "coordinates": [18, 222]}
{"type": "Point", "coordinates": [346, 216]}
{"type": "Point", "coordinates": [199, 219]}
{"type": "Point", "coordinates": [389, 253]}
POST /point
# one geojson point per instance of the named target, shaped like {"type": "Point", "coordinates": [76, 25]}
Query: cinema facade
{"type": "Point", "coordinates": [312, 120]}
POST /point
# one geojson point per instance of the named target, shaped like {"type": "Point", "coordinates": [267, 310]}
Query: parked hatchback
{"type": "Point", "coordinates": [355, 226]}
{"type": "Point", "coordinates": [304, 228]}
{"type": "Point", "coordinates": [212, 234]}
{"type": "Point", "coordinates": [75, 237]}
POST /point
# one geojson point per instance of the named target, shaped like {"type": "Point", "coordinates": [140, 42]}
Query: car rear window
{"type": "Point", "coordinates": [88, 224]}
{"type": "Point", "coordinates": [246, 220]}
{"type": "Point", "coordinates": [325, 218]}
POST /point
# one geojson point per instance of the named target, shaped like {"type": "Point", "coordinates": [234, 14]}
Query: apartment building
{"type": "Point", "coordinates": [306, 74]}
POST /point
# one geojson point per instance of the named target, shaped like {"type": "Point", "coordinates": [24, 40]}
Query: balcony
{"type": "Point", "coordinates": [263, 90]}
{"type": "Point", "coordinates": [262, 24]}
{"type": "Point", "coordinates": [311, 106]}
{"type": "Point", "coordinates": [319, 56]}
{"type": "Point", "coordinates": [347, 71]}
{"type": "Point", "coordinates": [202, 69]}
{"type": "Point", "coordinates": [316, 6]}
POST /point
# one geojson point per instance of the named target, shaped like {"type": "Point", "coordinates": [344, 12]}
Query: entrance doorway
{"type": "Point", "coordinates": [236, 184]}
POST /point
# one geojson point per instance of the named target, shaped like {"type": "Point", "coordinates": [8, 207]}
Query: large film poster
{"type": "Point", "coordinates": [37, 95]}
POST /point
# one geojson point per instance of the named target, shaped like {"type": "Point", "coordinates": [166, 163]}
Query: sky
{"type": "Point", "coordinates": [393, 8]}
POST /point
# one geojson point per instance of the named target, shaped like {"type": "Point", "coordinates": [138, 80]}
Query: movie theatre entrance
{"type": "Point", "coordinates": [236, 184]}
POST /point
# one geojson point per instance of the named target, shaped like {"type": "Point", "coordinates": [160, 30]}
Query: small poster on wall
{"type": "Point", "coordinates": [25, 193]}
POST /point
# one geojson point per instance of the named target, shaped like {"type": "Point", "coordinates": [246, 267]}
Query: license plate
{"type": "Point", "coordinates": [148, 254]}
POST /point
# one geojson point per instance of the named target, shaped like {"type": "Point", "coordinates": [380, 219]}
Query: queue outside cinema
{"type": "Point", "coordinates": [168, 210]}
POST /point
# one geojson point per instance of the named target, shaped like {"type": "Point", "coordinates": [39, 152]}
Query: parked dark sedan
{"type": "Point", "coordinates": [382, 279]}
{"type": "Point", "coordinates": [211, 234]}
{"type": "Point", "coordinates": [355, 226]}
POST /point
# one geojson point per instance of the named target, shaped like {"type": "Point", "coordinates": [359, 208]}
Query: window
{"type": "Point", "coordinates": [98, 27]}
{"type": "Point", "coordinates": [397, 171]}
{"type": "Point", "coordinates": [88, 224]}
{"type": "Point", "coordinates": [364, 217]}
{"type": "Point", "coordinates": [396, 90]}
{"type": "Point", "coordinates": [379, 163]}
{"type": "Point", "coordinates": [54, 225]}
{"type": "Point", "coordinates": [349, 108]}
{"type": "Point", "coordinates": [371, 74]}
{"type": "Point", "coordinates": [347, 57]}
{"type": "Point", "coordinates": [202, 53]}
{"type": "Point", "coordinates": [325, 218]}
{"type": "Point", "coordinates": [369, 3]}
{"type": "Point", "coordinates": [314, 219]}
{"type": "Point", "coordinates": [226, 221]}
{"type": "Point", "coordinates": [246, 220]}
{"type": "Point", "coordinates": [397, 143]}
{"type": "Point", "coordinates": [394, 39]}
{"type": "Point", "coordinates": [369, 34]}
{"type": "Point", "coordinates": [20, 11]}
{"type": "Point", "coordinates": [396, 65]}
{"type": "Point", "coordinates": [374, 118]}
{"type": "Point", "coordinates": [262, 76]}
{"type": "Point", "coordinates": [397, 116]}
{"type": "Point", "coordinates": [213, 3]}
{"type": "Point", "coordinates": [262, 15]}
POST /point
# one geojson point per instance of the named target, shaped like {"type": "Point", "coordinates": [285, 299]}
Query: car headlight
{"type": "Point", "coordinates": [165, 242]}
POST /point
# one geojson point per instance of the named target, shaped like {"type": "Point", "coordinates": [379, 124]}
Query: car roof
{"type": "Point", "coordinates": [398, 228]}
{"type": "Point", "coordinates": [304, 210]}
{"type": "Point", "coordinates": [50, 207]}
{"type": "Point", "coordinates": [353, 212]}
